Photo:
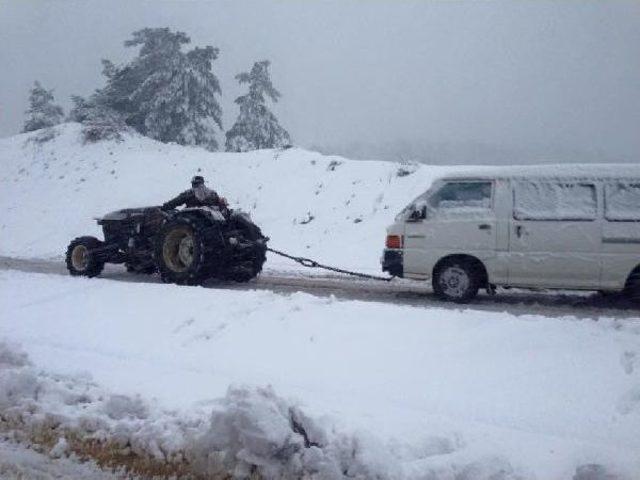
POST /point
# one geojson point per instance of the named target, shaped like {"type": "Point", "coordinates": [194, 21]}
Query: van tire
{"type": "Point", "coordinates": [456, 280]}
{"type": "Point", "coordinates": [632, 287]}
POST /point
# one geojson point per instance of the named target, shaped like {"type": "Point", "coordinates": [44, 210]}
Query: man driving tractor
{"type": "Point", "coordinates": [197, 196]}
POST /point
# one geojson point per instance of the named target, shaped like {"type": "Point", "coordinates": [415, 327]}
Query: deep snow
{"type": "Point", "coordinates": [437, 390]}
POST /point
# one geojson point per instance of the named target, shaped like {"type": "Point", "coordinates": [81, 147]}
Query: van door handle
{"type": "Point", "coordinates": [519, 231]}
{"type": "Point", "coordinates": [484, 226]}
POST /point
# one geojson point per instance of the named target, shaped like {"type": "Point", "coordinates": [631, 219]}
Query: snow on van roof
{"type": "Point", "coordinates": [572, 170]}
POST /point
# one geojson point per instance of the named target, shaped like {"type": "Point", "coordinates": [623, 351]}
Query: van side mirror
{"type": "Point", "coordinates": [418, 214]}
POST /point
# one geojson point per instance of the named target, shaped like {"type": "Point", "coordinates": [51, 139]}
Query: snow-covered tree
{"type": "Point", "coordinates": [160, 50]}
{"type": "Point", "coordinates": [179, 102]}
{"type": "Point", "coordinates": [80, 109]}
{"type": "Point", "coordinates": [42, 112]}
{"type": "Point", "coordinates": [99, 121]}
{"type": "Point", "coordinates": [165, 93]}
{"type": "Point", "coordinates": [256, 127]}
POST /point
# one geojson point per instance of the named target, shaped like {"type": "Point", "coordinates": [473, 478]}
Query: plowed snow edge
{"type": "Point", "coordinates": [250, 433]}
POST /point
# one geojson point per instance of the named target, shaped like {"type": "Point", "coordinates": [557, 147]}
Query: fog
{"type": "Point", "coordinates": [440, 82]}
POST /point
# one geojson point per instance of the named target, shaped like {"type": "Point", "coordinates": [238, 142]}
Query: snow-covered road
{"type": "Point", "coordinates": [441, 388]}
{"type": "Point", "coordinates": [584, 305]}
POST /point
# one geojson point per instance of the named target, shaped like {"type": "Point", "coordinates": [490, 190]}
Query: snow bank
{"type": "Point", "coordinates": [330, 208]}
{"type": "Point", "coordinates": [255, 429]}
{"type": "Point", "coordinates": [250, 431]}
{"type": "Point", "coordinates": [450, 394]}
{"type": "Point", "coordinates": [22, 462]}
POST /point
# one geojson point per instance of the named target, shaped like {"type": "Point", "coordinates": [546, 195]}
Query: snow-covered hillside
{"type": "Point", "coordinates": [328, 208]}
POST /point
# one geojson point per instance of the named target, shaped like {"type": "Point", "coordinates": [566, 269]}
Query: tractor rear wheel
{"type": "Point", "coordinates": [186, 251]}
{"type": "Point", "coordinates": [252, 251]}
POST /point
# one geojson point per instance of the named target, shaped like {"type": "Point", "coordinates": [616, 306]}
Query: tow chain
{"type": "Point", "coordinates": [307, 262]}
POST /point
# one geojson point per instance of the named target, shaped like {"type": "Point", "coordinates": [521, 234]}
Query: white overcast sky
{"type": "Point", "coordinates": [563, 74]}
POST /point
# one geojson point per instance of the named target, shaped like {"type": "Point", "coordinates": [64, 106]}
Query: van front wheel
{"type": "Point", "coordinates": [456, 281]}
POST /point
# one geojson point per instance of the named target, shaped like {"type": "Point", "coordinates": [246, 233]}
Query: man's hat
{"type": "Point", "coordinates": [197, 180]}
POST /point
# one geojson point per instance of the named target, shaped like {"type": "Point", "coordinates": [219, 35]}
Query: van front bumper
{"type": "Point", "coordinates": [392, 262]}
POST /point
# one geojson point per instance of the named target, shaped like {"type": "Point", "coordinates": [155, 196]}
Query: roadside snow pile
{"type": "Point", "coordinates": [249, 432]}
{"type": "Point", "coordinates": [72, 427]}
{"type": "Point", "coordinates": [330, 208]}
{"type": "Point", "coordinates": [22, 462]}
{"type": "Point", "coordinates": [255, 430]}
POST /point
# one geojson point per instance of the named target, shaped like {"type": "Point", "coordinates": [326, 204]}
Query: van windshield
{"type": "Point", "coordinates": [462, 195]}
{"type": "Point", "coordinates": [452, 196]}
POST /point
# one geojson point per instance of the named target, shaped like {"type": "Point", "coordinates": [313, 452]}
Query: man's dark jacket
{"type": "Point", "coordinates": [190, 199]}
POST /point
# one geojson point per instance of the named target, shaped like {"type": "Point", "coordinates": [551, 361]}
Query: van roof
{"type": "Point", "coordinates": [588, 171]}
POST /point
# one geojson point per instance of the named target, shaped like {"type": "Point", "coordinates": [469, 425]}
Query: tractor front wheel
{"type": "Point", "coordinates": [80, 259]}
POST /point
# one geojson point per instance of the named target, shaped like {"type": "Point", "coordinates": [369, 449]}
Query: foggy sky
{"type": "Point", "coordinates": [534, 76]}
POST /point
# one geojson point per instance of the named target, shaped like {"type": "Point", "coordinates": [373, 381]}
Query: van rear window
{"type": "Point", "coordinates": [554, 201]}
{"type": "Point", "coordinates": [622, 202]}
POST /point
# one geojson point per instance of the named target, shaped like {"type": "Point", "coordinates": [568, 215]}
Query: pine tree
{"type": "Point", "coordinates": [80, 110]}
{"type": "Point", "coordinates": [256, 127]}
{"type": "Point", "coordinates": [179, 102]}
{"type": "Point", "coordinates": [42, 112]}
{"type": "Point", "coordinates": [165, 93]}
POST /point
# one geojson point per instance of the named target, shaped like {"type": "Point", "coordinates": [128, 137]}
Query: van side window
{"type": "Point", "coordinates": [554, 201]}
{"type": "Point", "coordinates": [456, 195]}
{"type": "Point", "coordinates": [622, 202]}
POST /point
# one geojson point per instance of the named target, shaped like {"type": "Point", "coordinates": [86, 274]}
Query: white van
{"type": "Point", "coordinates": [543, 226]}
